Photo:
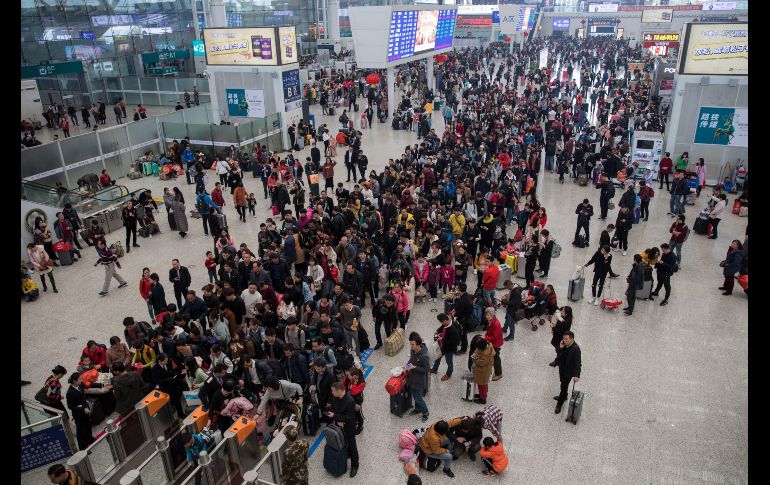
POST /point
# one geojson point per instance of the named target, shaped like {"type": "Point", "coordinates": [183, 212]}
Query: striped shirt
{"type": "Point", "coordinates": [492, 418]}
{"type": "Point", "coordinates": [106, 256]}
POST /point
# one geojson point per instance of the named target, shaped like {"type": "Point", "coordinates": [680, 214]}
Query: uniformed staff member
{"type": "Point", "coordinates": [213, 384]}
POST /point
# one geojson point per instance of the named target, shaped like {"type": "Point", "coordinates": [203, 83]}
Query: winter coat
{"type": "Point", "coordinates": [733, 262]}
{"type": "Point", "coordinates": [418, 375]}
{"type": "Point", "coordinates": [430, 443]}
{"type": "Point", "coordinates": [483, 363]}
{"type": "Point", "coordinates": [179, 216]}
{"type": "Point", "coordinates": [495, 454]}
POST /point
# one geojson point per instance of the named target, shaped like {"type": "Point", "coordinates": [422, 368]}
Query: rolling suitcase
{"type": "Point", "coordinates": [575, 288]}
{"type": "Point", "coordinates": [335, 437]}
{"type": "Point", "coordinates": [221, 221]}
{"type": "Point", "coordinates": [310, 420]}
{"type": "Point", "coordinates": [469, 387]}
{"type": "Point", "coordinates": [575, 406]}
{"type": "Point", "coordinates": [644, 293]}
{"type": "Point", "coordinates": [65, 257]}
{"type": "Point", "coordinates": [505, 275]}
{"type": "Point", "coordinates": [520, 266]}
{"type": "Point", "coordinates": [700, 226]}
{"type": "Point", "coordinates": [335, 461]}
{"type": "Point", "coordinates": [690, 200]}
{"type": "Point", "coordinates": [401, 402]}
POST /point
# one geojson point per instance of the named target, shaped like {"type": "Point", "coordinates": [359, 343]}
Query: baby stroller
{"type": "Point", "coordinates": [534, 306]}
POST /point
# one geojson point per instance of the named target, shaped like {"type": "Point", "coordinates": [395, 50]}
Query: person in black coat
{"type": "Point", "coordinates": [157, 294]}
{"type": "Point", "coordinates": [623, 225]}
{"type": "Point", "coordinates": [561, 322]}
{"type": "Point", "coordinates": [213, 384]}
{"type": "Point", "coordinates": [219, 401]}
{"type": "Point", "coordinates": [129, 222]}
{"type": "Point", "coordinates": [602, 261]}
{"type": "Point", "coordinates": [321, 382]}
{"type": "Point", "coordinates": [127, 387]}
{"type": "Point", "coordinates": [584, 212]}
{"type": "Point", "coordinates": [81, 411]}
{"type": "Point", "coordinates": [180, 276]}
{"type": "Point", "coordinates": [448, 338]}
{"type": "Point", "coordinates": [568, 358]}
{"type": "Point", "coordinates": [164, 376]}
{"type": "Point", "coordinates": [463, 312]}
{"type": "Point", "coordinates": [635, 280]}
{"type": "Point", "coordinates": [665, 268]}
{"type": "Point", "coordinates": [384, 311]}
{"type": "Point", "coordinates": [295, 367]}
{"type": "Point", "coordinates": [608, 192]}
{"type": "Point", "coordinates": [343, 412]}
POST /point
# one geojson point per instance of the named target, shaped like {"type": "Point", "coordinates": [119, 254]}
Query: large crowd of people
{"type": "Point", "coordinates": [283, 320]}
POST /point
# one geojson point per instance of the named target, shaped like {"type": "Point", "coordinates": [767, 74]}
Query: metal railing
{"type": "Point", "coordinates": [37, 418]}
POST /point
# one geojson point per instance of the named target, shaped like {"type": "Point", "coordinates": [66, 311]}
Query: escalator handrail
{"type": "Point", "coordinates": [123, 190]}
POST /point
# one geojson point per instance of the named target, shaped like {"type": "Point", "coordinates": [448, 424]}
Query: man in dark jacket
{"type": "Point", "coordinates": [343, 413]}
{"type": "Point", "coordinates": [448, 337]}
{"type": "Point", "coordinates": [608, 192]}
{"type": "Point", "coordinates": [127, 387]}
{"type": "Point", "coordinates": [353, 281]}
{"type": "Point", "coordinates": [665, 268]}
{"type": "Point", "coordinates": [163, 375]}
{"type": "Point", "coordinates": [195, 307]}
{"type": "Point", "coordinates": [135, 330]}
{"type": "Point", "coordinates": [294, 365]}
{"type": "Point", "coordinates": [463, 312]}
{"type": "Point", "coordinates": [180, 276]}
{"type": "Point", "coordinates": [569, 362]}
{"type": "Point", "coordinates": [384, 311]}
{"type": "Point", "coordinates": [584, 212]}
{"type": "Point", "coordinates": [213, 384]}
{"type": "Point", "coordinates": [418, 367]}
{"type": "Point", "coordinates": [467, 437]}
{"type": "Point", "coordinates": [635, 280]}
{"type": "Point", "coordinates": [512, 305]}
{"type": "Point", "coordinates": [321, 382]}
{"type": "Point", "coordinates": [628, 198]}
{"type": "Point", "coordinates": [678, 193]}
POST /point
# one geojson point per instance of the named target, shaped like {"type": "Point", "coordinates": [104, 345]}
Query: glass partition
{"type": "Point", "coordinates": [101, 457]}
{"type": "Point", "coordinates": [175, 131]}
{"type": "Point", "coordinates": [224, 466]}
{"type": "Point", "coordinates": [166, 84]}
{"type": "Point", "coordinates": [223, 136]}
{"type": "Point", "coordinates": [150, 99]}
{"type": "Point", "coordinates": [133, 99]}
{"type": "Point", "coordinates": [197, 115]}
{"type": "Point", "coordinates": [153, 471]}
{"type": "Point", "coordinates": [144, 136]}
{"type": "Point", "coordinates": [130, 83]}
{"type": "Point", "coordinates": [116, 151]}
{"type": "Point", "coordinates": [148, 83]}
{"type": "Point", "coordinates": [131, 433]}
{"type": "Point", "coordinates": [40, 159]}
{"type": "Point", "coordinates": [169, 99]}
{"type": "Point", "coordinates": [195, 477]}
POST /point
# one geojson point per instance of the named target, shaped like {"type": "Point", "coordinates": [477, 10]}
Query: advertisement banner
{"type": "Point", "coordinates": [658, 15]}
{"type": "Point", "coordinates": [43, 447]}
{"type": "Point", "coordinates": [722, 126]}
{"type": "Point", "coordinates": [668, 39]}
{"type": "Point", "coordinates": [287, 44]}
{"type": "Point", "coordinates": [247, 103]}
{"type": "Point", "coordinates": [603, 7]}
{"type": "Point", "coordinates": [716, 49]}
{"type": "Point", "coordinates": [543, 58]}
{"type": "Point", "coordinates": [240, 47]}
{"type": "Point", "coordinates": [517, 18]}
{"type": "Point", "coordinates": [560, 23]}
{"type": "Point", "coordinates": [292, 94]}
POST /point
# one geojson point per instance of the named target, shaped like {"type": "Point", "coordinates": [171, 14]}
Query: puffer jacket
{"type": "Point", "coordinates": [430, 443]}
{"type": "Point", "coordinates": [402, 301]}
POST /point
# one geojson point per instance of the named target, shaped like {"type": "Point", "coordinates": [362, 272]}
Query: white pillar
{"type": "Point", "coordinates": [333, 19]}
{"type": "Point", "coordinates": [391, 91]}
{"type": "Point", "coordinates": [214, 97]}
{"type": "Point", "coordinates": [218, 17]}
{"type": "Point", "coordinates": [429, 72]}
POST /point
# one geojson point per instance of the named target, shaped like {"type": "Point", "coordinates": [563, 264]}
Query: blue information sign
{"type": "Point", "coordinates": [292, 94]}
{"type": "Point", "coordinates": [43, 447]}
{"type": "Point", "coordinates": [445, 31]}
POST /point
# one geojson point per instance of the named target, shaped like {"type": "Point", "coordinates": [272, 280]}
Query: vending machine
{"type": "Point", "coordinates": [646, 152]}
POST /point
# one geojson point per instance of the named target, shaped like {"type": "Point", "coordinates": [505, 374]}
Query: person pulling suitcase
{"type": "Point", "coordinates": [568, 359]}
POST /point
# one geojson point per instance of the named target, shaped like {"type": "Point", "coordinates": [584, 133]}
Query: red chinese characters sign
{"type": "Point", "coordinates": [668, 39]}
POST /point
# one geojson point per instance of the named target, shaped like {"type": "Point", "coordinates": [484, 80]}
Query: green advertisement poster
{"type": "Point", "coordinates": [722, 126]}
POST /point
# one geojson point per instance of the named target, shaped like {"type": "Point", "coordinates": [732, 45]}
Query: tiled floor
{"type": "Point", "coordinates": [667, 387]}
{"type": "Point", "coordinates": [45, 135]}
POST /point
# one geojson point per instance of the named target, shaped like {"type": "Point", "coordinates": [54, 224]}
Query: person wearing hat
{"type": "Point", "coordinates": [295, 455]}
{"type": "Point", "coordinates": [448, 337]}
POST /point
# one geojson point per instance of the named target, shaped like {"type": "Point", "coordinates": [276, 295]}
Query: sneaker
{"type": "Point", "coordinates": [102, 293]}
{"type": "Point", "coordinates": [424, 418]}
{"type": "Point", "coordinates": [136, 245]}
{"type": "Point", "coordinates": [123, 285]}
{"type": "Point", "coordinates": [596, 301]}
{"type": "Point", "coordinates": [664, 303]}
{"type": "Point", "coordinates": [624, 253]}
{"type": "Point", "coordinates": [591, 300]}
{"type": "Point", "coordinates": [444, 377]}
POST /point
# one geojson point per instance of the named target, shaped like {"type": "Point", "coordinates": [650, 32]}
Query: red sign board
{"type": "Point", "coordinates": [666, 39]}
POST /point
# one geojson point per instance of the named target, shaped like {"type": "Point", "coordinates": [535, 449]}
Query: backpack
{"type": "Point", "coordinates": [579, 242]}
{"type": "Point", "coordinates": [611, 191]}
{"type": "Point", "coordinates": [556, 250]}
{"type": "Point", "coordinates": [335, 437]}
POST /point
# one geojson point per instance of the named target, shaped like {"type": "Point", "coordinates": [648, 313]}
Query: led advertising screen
{"type": "Point", "coordinates": [418, 31]}
{"type": "Point", "coordinates": [601, 26]}
{"type": "Point", "coordinates": [716, 49]}
{"type": "Point", "coordinates": [250, 46]}
{"type": "Point", "coordinates": [561, 23]}
{"type": "Point", "coordinates": [474, 21]}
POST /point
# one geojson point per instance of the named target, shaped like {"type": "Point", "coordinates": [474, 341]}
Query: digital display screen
{"type": "Point", "coordinates": [601, 27]}
{"type": "Point", "coordinates": [418, 31]}
{"type": "Point", "coordinates": [474, 21]}
{"type": "Point", "coordinates": [250, 46]}
{"type": "Point", "coordinates": [561, 23]}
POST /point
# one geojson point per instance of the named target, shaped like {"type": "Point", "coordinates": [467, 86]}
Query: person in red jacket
{"type": "Point", "coordinates": [97, 354]}
{"type": "Point", "coordinates": [145, 288]}
{"type": "Point", "coordinates": [494, 335]}
{"type": "Point", "coordinates": [489, 281]}
{"type": "Point", "coordinates": [664, 170]}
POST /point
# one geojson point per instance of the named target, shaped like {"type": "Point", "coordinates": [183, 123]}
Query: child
{"type": "Point", "coordinates": [29, 288]}
{"type": "Point", "coordinates": [195, 443]}
{"type": "Point", "coordinates": [252, 201]}
{"type": "Point", "coordinates": [447, 277]}
{"type": "Point", "coordinates": [434, 279]}
{"type": "Point", "coordinates": [493, 457]}
{"type": "Point", "coordinates": [421, 270]}
{"type": "Point", "coordinates": [211, 266]}
{"type": "Point", "coordinates": [313, 180]}
{"type": "Point", "coordinates": [85, 364]}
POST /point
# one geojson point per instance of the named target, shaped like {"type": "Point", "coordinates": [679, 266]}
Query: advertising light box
{"type": "Point", "coordinates": [418, 31]}
{"type": "Point", "coordinates": [250, 46]}
{"type": "Point", "coordinates": [561, 23]}
{"type": "Point", "coordinates": [720, 49]}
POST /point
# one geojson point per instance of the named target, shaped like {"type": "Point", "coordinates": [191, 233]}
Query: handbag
{"type": "Point", "coordinates": [611, 205]}
{"type": "Point", "coordinates": [41, 396]}
{"type": "Point", "coordinates": [276, 211]}
{"type": "Point", "coordinates": [723, 263]}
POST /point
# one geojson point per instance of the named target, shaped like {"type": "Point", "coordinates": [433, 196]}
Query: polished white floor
{"type": "Point", "coordinates": [667, 387]}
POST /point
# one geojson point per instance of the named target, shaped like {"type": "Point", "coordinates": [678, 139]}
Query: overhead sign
{"type": "Point", "coordinates": [150, 57]}
{"type": "Point", "coordinates": [517, 18]}
{"type": "Point", "coordinates": [711, 5]}
{"type": "Point", "coordinates": [162, 71]}
{"type": "Point", "coordinates": [474, 21]}
{"type": "Point", "coordinates": [668, 39]}
{"type": "Point", "coordinates": [639, 8]}
{"type": "Point", "coordinates": [248, 103]}
{"type": "Point", "coordinates": [51, 69]}
{"type": "Point", "coordinates": [198, 48]}
{"type": "Point", "coordinates": [722, 126]}
{"type": "Point", "coordinates": [658, 15]}
{"type": "Point", "coordinates": [721, 49]}
{"type": "Point", "coordinates": [601, 26]}
{"type": "Point", "coordinates": [561, 23]}
{"type": "Point", "coordinates": [292, 94]}
{"type": "Point", "coordinates": [250, 46]}
{"type": "Point", "coordinates": [415, 32]}
{"type": "Point", "coordinates": [603, 7]}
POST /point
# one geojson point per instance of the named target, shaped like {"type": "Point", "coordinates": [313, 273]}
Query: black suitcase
{"type": "Point", "coordinates": [700, 226]}
{"type": "Point", "coordinates": [575, 406]}
{"type": "Point", "coordinates": [97, 413]}
{"type": "Point", "coordinates": [430, 464]}
{"type": "Point", "coordinates": [311, 420]}
{"type": "Point", "coordinates": [335, 461]}
{"type": "Point", "coordinates": [401, 402]}
{"type": "Point", "coordinates": [355, 107]}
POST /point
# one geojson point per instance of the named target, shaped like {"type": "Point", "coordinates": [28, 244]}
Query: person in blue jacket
{"type": "Point", "coordinates": [204, 204]}
{"type": "Point", "coordinates": [731, 265]}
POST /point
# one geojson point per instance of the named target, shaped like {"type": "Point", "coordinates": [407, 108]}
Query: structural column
{"type": "Point", "coordinates": [429, 72]}
{"type": "Point", "coordinates": [391, 91]}
{"type": "Point", "coordinates": [333, 19]}
{"type": "Point", "coordinates": [218, 17]}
